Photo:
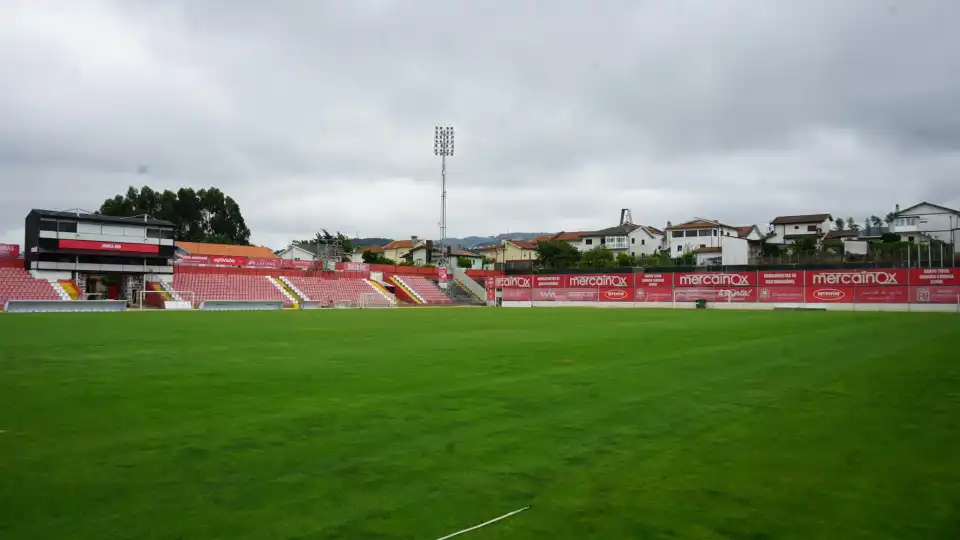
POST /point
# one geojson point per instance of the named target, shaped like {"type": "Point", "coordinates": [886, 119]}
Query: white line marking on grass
{"type": "Point", "coordinates": [485, 523]}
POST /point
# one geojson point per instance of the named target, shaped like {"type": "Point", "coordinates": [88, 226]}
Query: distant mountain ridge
{"type": "Point", "coordinates": [466, 242]}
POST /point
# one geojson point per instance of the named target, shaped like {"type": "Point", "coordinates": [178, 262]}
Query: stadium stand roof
{"type": "Point", "coordinates": [254, 252]}
{"type": "Point", "coordinates": [101, 218]}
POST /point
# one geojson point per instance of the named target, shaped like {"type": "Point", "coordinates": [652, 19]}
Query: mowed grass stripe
{"type": "Point", "coordinates": [414, 430]}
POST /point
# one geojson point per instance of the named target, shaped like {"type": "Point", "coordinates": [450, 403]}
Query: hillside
{"type": "Point", "coordinates": [465, 242]}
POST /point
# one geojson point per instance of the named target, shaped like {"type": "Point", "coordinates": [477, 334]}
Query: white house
{"type": "Point", "coordinates": [787, 229]}
{"type": "Point", "coordinates": [932, 220]}
{"type": "Point", "coordinates": [645, 240]}
{"type": "Point", "coordinates": [295, 252]}
{"type": "Point", "coordinates": [697, 234]}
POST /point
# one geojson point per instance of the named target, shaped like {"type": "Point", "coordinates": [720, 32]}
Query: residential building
{"type": "Point", "coordinates": [693, 235]}
{"type": "Point", "coordinates": [616, 239]}
{"type": "Point", "coordinates": [296, 252]}
{"type": "Point", "coordinates": [508, 250]}
{"type": "Point", "coordinates": [754, 238]}
{"type": "Point", "coordinates": [574, 238]}
{"type": "Point", "coordinates": [645, 240]}
{"type": "Point", "coordinates": [924, 218]}
{"type": "Point", "coordinates": [787, 229]}
{"type": "Point", "coordinates": [458, 255]}
{"type": "Point", "coordinates": [398, 248]}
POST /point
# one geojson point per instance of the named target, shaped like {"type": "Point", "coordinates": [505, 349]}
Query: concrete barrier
{"type": "Point", "coordinates": [311, 304]}
{"type": "Point", "coordinates": [177, 304]}
{"type": "Point", "coordinates": [63, 306]}
{"type": "Point", "coordinates": [241, 305]}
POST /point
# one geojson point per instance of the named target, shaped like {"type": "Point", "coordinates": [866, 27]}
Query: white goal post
{"type": "Point", "coordinates": [375, 300]}
{"type": "Point", "coordinates": [188, 299]}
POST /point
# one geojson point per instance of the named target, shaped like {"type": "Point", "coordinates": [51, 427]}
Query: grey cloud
{"type": "Point", "coordinates": [320, 114]}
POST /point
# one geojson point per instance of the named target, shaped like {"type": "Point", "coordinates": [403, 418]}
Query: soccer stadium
{"type": "Point", "coordinates": [215, 391]}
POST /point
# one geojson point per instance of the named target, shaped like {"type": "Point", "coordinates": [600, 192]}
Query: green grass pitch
{"type": "Point", "coordinates": [413, 424]}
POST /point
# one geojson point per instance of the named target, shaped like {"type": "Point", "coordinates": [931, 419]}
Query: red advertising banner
{"type": "Point", "coordinates": [224, 260]}
{"type": "Point", "coordinates": [566, 295]}
{"type": "Point", "coordinates": [544, 282]}
{"type": "Point", "coordinates": [517, 295]}
{"type": "Point", "coordinates": [593, 281]}
{"type": "Point", "coordinates": [781, 278]}
{"type": "Point", "coordinates": [264, 263]}
{"type": "Point", "coordinates": [937, 294]}
{"type": "Point", "coordinates": [654, 280]}
{"type": "Point", "coordinates": [781, 294]}
{"type": "Point", "coordinates": [9, 251]}
{"type": "Point", "coordinates": [855, 278]}
{"type": "Point", "coordinates": [353, 267]}
{"type": "Point", "coordinates": [653, 294]}
{"type": "Point", "coordinates": [193, 259]}
{"type": "Point", "coordinates": [715, 279]}
{"type": "Point", "coordinates": [512, 282]}
{"type": "Point", "coordinates": [443, 275]}
{"type": "Point", "coordinates": [880, 295]}
{"type": "Point", "coordinates": [828, 295]}
{"type": "Point", "coordinates": [935, 276]}
{"type": "Point", "coordinates": [299, 265]}
{"type": "Point", "coordinates": [719, 294]}
{"type": "Point", "coordinates": [108, 246]}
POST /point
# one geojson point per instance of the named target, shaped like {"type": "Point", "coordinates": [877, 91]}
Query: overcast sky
{"type": "Point", "coordinates": [320, 113]}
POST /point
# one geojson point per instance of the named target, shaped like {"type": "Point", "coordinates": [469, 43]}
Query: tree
{"type": "Point", "coordinates": [557, 254]}
{"type": "Point", "coordinates": [804, 245]}
{"type": "Point", "coordinates": [199, 216]}
{"type": "Point", "coordinates": [852, 224]}
{"type": "Point", "coordinates": [370, 257]}
{"type": "Point", "coordinates": [890, 217]}
{"type": "Point", "coordinates": [598, 257]}
{"type": "Point", "coordinates": [327, 243]}
{"type": "Point", "coordinates": [876, 221]}
{"type": "Point", "coordinates": [624, 259]}
{"type": "Point", "coordinates": [464, 262]}
{"type": "Point", "coordinates": [840, 223]}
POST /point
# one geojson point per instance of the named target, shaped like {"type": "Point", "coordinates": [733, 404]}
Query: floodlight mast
{"type": "Point", "coordinates": [443, 147]}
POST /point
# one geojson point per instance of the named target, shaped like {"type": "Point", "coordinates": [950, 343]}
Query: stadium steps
{"type": "Point", "coordinates": [398, 281]}
{"type": "Point", "coordinates": [463, 286]}
{"type": "Point", "coordinates": [287, 284]}
{"type": "Point", "coordinates": [174, 296]}
{"type": "Point", "coordinates": [460, 295]}
{"type": "Point", "coordinates": [70, 288]}
{"type": "Point", "coordinates": [426, 290]}
{"type": "Point", "coordinates": [154, 286]}
{"type": "Point", "coordinates": [286, 291]}
{"type": "Point", "coordinates": [383, 292]}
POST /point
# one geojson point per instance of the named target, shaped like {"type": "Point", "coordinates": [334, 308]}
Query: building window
{"type": "Point", "coordinates": [677, 234]}
{"type": "Point", "coordinates": [633, 240]}
{"type": "Point", "coordinates": [588, 241]}
{"type": "Point", "coordinates": [910, 239]}
{"type": "Point", "coordinates": [67, 226]}
{"type": "Point", "coordinates": [796, 227]}
{"type": "Point", "coordinates": [714, 232]}
{"type": "Point", "coordinates": [643, 242]}
{"type": "Point", "coordinates": [603, 241]}
{"type": "Point", "coordinates": [728, 233]}
{"type": "Point", "coordinates": [705, 232]}
{"type": "Point", "coordinates": [679, 248]}
{"type": "Point", "coordinates": [812, 228]}
{"type": "Point", "coordinates": [691, 233]}
{"type": "Point", "coordinates": [703, 245]}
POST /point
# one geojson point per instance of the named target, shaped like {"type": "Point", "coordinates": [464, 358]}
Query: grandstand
{"type": "Point", "coordinates": [422, 289]}
{"type": "Point", "coordinates": [18, 284]}
{"type": "Point", "coordinates": [329, 291]}
{"type": "Point", "coordinates": [223, 286]}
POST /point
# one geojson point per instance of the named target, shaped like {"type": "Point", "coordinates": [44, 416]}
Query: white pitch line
{"type": "Point", "coordinates": [485, 523]}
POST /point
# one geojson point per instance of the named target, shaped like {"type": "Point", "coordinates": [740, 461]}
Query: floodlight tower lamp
{"type": "Point", "coordinates": [443, 146]}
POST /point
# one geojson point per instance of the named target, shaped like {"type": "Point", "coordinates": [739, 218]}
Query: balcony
{"type": "Point", "coordinates": [906, 228]}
